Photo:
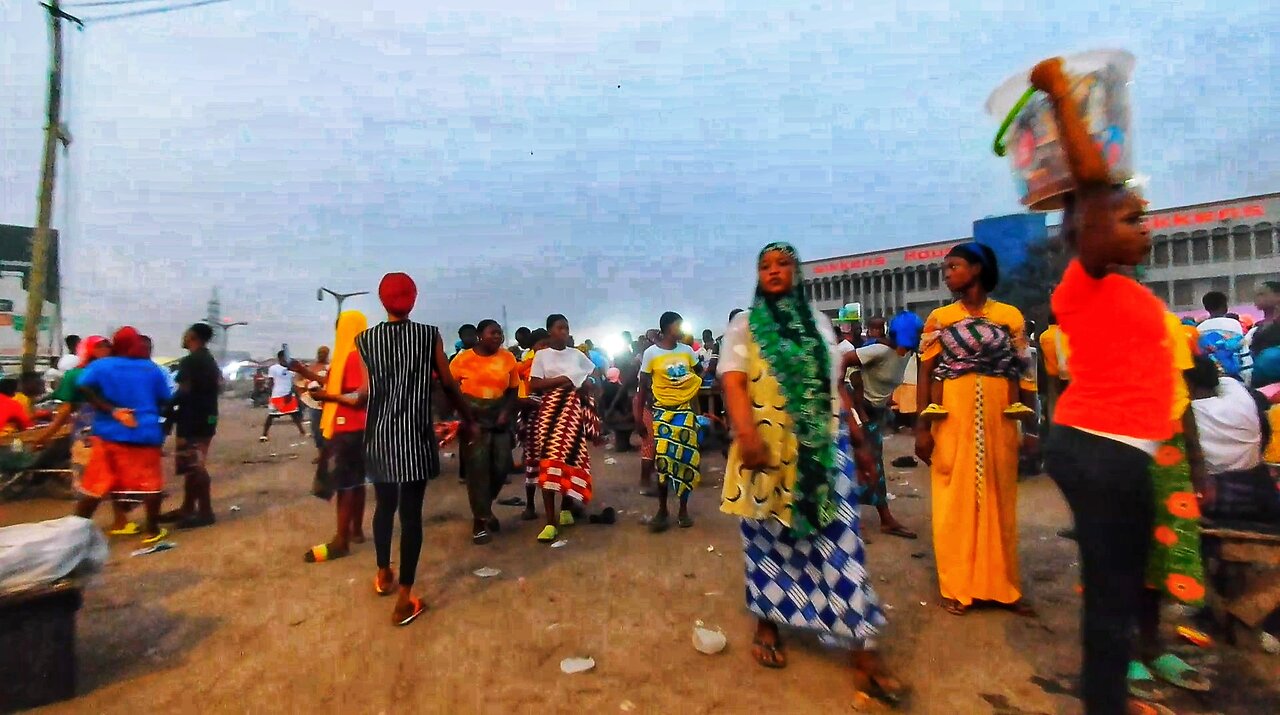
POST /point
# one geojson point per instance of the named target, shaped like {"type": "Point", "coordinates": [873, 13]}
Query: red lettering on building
{"type": "Point", "coordinates": [850, 264]}
{"type": "Point", "coordinates": [927, 254]}
{"type": "Point", "coordinates": [1179, 220]}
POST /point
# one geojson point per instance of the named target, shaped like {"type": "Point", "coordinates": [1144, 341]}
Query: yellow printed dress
{"type": "Point", "coordinates": [819, 583]}
{"type": "Point", "coordinates": [975, 471]}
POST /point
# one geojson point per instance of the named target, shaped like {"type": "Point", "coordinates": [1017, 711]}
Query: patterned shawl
{"type": "Point", "coordinates": [977, 345]}
{"type": "Point", "coordinates": [784, 328]}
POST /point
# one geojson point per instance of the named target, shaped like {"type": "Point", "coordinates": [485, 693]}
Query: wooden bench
{"type": "Point", "coordinates": [1233, 548]}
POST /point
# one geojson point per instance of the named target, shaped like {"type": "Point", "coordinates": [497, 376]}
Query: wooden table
{"type": "Point", "coordinates": [1230, 551]}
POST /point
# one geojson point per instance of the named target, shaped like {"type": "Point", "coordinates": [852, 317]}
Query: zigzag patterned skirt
{"type": "Point", "coordinates": [566, 423]}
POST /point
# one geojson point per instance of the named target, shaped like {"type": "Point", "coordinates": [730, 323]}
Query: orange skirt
{"type": "Point", "coordinates": [126, 470]}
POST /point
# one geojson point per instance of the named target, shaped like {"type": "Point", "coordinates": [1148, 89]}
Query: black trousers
{"type": "Point", "coordinates": [1108, 487]}
{"type": "Point", "coordinates": [407, 499]}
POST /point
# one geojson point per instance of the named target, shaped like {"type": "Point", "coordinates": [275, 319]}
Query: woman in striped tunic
{"type": "Point", "coordinates": [401, 358]}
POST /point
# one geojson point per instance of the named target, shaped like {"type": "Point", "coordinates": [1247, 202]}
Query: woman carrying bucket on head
{"type": "Point", "coordinates": [1107, 426]}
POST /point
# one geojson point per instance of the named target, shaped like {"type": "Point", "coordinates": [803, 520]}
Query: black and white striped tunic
{"type": "Point", "coordinates": [399, 434]}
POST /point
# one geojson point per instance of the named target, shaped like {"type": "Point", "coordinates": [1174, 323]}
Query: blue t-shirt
{"type": "Point", "coordinates": [598, 358]}
{"type": "Point", "coordinates": [137, 384]}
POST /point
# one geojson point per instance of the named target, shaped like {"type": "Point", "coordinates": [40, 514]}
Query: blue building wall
{"type": "Point", "coordinates": [1010, 235]}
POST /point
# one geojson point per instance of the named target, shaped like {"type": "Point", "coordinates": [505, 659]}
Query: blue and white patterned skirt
{"type": "Point", "coordinates": [819, 583]}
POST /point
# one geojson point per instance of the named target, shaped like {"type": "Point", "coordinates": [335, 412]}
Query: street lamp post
{"type": "Point", "coordinates": [340, 297]}
{"type": "Point", "coordinates": [226, 328]}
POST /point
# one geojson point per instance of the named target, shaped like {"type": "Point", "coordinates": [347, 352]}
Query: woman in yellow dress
{"type": "Point", "coordinates": [976, 347]}
{"type": "Point", "coordinates": [791, 481]}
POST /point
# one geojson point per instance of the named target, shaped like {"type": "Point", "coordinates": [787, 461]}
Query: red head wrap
{"type": "Point", "coordinates": [398, 293]}
{"type": "Point", "coordinates": [87, 347]}
{"type": "Point", "coordinates": [127, 342]}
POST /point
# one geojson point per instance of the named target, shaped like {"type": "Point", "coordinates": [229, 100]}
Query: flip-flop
{"type": "Point", "coordinates": [954, 607]}
{"type": "Point", "coordinates": [381, 590]}
{"type": "Point", "coordinates": [685, 522]}
{"type": "Point", "coordinates": [566, 517]}
{"type": "Point", "coordinates": [876, 689]}
{"type": "Point", "coordinates": [1142, 684]}
{"type": "Point", "coordinates": [548, 535]}
{"type": "Point", "coordinates": [418, 608]}
{"type": "Point", "coordinates": [156, 538]}
{"type": "Point", "coordinates": [481, 537]}
{"type": "Point", "coordinates": [899, 531]}
{"type": "Point", "coordinates": [129, 529]}
{"type": "Point", "coordinates": [608, 516]}
{"type": "Point", "coordinates": [322, 552]}
{"type": "Point", "coordinates": [773, 650]}
{"type": "Point", "coordinates": [1144, 707]}
{"type": "Point", "coordinates": [1177, 672]}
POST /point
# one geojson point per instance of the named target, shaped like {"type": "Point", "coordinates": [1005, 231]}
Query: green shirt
{"type": "Point", "coordinates": [69, 387]}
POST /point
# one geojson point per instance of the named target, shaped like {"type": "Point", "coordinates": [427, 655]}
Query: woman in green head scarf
{"type": "Point", "coordinates": [790, 477]}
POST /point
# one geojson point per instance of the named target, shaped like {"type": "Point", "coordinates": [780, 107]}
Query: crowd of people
{"type": "Point", "coordinates": [1147, 428]}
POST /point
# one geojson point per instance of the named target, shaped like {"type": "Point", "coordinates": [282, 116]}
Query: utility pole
{"type": "Point", "coordinates": [340, 297]}
{"type": "Point", "coordinates": [38, 277]}
{"type": "Point", "coordinates": [226, 328]}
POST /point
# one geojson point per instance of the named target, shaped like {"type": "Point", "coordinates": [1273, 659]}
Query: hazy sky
{"type": "Point", "coordinates": [587, 157]}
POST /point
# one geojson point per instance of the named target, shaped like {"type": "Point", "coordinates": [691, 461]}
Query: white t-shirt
{"type": "Point", "coordinates": [736, 348]}
{"type": "Point", "coordinates": [281, 380]}
{"type": "Point", "coordinates": [67, 362]}
{"type": "Point", "coordinates": [882, 371]}
{"type": "Point", "coordinates": [1229, 326]}
{"type": "Point", "coordinates": [568, 362]}
{"type": "Point", "coordinates": [1230, 433]}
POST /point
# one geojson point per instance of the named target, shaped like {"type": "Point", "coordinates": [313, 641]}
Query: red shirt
{"type": "Point", "coordinates": [11, 412]}
{"type": "Point", "coordinates": [350, 419]}
{"type": "Point", "coordinates": [1121, 356]}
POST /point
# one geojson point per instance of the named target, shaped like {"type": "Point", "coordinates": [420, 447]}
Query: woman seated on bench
{"type": "Point", "coordinates": [1234, 435]}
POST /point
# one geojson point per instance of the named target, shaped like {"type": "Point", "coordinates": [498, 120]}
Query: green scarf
{"type": "Point", "coordinates": [784, 328]}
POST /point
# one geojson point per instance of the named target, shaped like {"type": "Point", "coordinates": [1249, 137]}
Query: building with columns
{"type": "Point", "coordinates": [1228, 246]}
{"type": "Point", "coordinates": [882, 281]}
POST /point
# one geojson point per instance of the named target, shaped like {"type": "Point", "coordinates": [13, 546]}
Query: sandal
{"type": "Point", "coordinates": [1142, 684]}
{"type": "Point", "coordinates": [481, 537]}
{"type": "Point", "coordinates": [1177, 672]}
{"type": "Point", "coordinates": [548, 535]}
{"type": "Point", "coordinates": [899, 531]}
{"type": "Point", "coordinates": [381, 588]}
{"type": "Point", "coordinates": [417, 605]}
{"type": "Point", "coordinates": [1142, 707]}
{"type": "Point", "coordinates": [321, 553]}
{"type": "Point", "coordinates": [1021, 608]}
{"type": "Point", "coordinates": [659, 524]}
{"type": "Point", "coordinates": [156, 537]}
{"type": "Point", "coordinates": [566, 517]}
{"type": "Point", "coordinates": [873, 685]}
{"type": "Point", "coordinates": [129, 529]}
{"type": "Point", "coordinates": [770, 655]}
{"type": "Point", "coordinates": [954, 607]}
{"type": "Point", "coordinates": [1018, 411]}
{"type": "Point", "coordinates": [934, 412]}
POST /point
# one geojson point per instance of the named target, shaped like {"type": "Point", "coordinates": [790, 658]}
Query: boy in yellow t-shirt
{"type": "Point", "coordinates": [669, 382]}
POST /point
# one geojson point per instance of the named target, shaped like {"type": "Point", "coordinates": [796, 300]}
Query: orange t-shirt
{"type": "Point", "coordinates": [1118, 339]}
{"type": "Point", "coordinates": [485, 378]}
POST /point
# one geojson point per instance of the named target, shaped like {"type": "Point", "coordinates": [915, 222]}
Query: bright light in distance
{"type": "Point", "coordinates": [687, 327]}
{"type": "Point", "coordinates": [613, 345]}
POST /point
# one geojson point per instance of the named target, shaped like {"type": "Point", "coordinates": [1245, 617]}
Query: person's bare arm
{"type": "Point", "coordinates": [737, 402]}
{"type": "Point", "coordinates": [645, 393]}
{"type": "Point", "coordinates": [61, 416]}
{"type": "Point", "coordinates": [450, 385]}
{"type": "Point", "coordinates": [305, 372]}
{"type": "Point", "coordinates": [1088, 169]}
{"type": "Point", "coordinates": [1195, 458]}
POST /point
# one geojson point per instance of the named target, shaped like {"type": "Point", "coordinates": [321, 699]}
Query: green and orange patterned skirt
{"type": "Point", "coordinates": [1174, 564]}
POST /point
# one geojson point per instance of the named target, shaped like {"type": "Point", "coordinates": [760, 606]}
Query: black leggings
{"type": "Point", "coordinates": [1108, 486]}
{"type": "Point", "coordinates": [407, 498]}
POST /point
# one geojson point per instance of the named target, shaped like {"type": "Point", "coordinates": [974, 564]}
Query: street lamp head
{"type": "Point", "coordinates": [319, 293]}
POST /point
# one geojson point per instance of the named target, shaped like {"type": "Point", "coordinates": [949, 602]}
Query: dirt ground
{"type": "Point", "coordinates": [233, 620]}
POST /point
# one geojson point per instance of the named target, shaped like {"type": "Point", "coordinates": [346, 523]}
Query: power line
{"type": "Point", "coordinates": [101, 3]}
{"type": "Point", "coordinates": [152, 11]}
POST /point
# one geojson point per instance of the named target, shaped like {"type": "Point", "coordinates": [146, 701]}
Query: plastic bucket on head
{"type": "Point", "coordinates": [1100, 86]}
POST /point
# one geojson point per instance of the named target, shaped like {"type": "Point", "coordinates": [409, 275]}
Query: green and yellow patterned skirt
{"type": "Point", "coordinates": [1174, 564]}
